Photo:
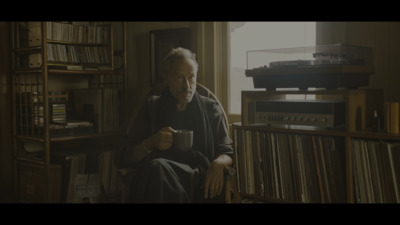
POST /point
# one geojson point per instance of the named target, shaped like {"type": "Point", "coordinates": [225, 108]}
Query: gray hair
{"type": "Point", "coordinates": [178, 54]}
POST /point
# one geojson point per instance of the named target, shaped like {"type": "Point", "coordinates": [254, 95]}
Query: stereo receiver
{"type": "Point", "coordinates": [321, 113]}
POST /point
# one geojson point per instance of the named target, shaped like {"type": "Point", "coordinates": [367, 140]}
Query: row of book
{"type": "Point", "coordinates": [292, 167]}
{"type": "Point", "coordinates": [77, 112]}
{"type": "Point", "coordinates": [37, 97]}
{"type": "Point", "coordinates": [57, 112]}
{"type": "Point", "coordinates": [392, 117]}
{"type": "Point", "coordinates": [376, 169]}
{"type": "Point", "coordinates": [78, 32]}
{"type": "Point", "coordinates": [92, 161]}
{"type": "Point", "coordinates": [30, 110]}
{"type": "Point", "coordinates": [77, 54]}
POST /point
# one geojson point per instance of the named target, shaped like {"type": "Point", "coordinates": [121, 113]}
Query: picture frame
{"type": "Point", "coordinates": [161, 42]}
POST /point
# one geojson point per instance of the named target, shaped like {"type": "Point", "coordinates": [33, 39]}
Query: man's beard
{"type": "Point", "coordinates": [189, 93]}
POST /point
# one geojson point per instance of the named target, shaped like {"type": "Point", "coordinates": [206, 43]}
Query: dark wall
{"type": "Point", "coordinates": [6, 162]}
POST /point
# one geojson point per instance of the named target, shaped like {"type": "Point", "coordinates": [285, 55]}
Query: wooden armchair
{"type": "Point", "coordinates": [127, 173]}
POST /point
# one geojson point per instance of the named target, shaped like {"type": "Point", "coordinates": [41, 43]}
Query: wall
{"type": "Point", "coordinates": [208, 41]}
{"type": "Point", "coordinates": [382, 37]}
{"type": "Point", "coordinates": [6, 165]}
{"type": "Point", "coordinates": [138, 51]}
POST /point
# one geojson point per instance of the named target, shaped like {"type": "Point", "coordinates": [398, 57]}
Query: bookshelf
{"type": "Point", "coordinates": [69, 86]}
{"type": "Point", "coordinates": [305, 164]}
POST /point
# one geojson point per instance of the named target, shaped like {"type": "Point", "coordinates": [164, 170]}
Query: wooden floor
{"type": "Point", "coordinates": [8, 198]}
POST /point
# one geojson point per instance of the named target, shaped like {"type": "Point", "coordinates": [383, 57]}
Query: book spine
{"type": "Point", "coordinates": [392, 117]}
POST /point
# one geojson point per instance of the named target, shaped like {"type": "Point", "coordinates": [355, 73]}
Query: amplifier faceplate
{"type": "Point", "coordinates": [322, 113]}
{"type": "Point", "coordinates": [321, 120]}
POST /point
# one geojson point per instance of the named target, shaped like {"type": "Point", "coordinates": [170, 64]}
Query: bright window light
{"type": "Point", "coordinates": [246, 36]}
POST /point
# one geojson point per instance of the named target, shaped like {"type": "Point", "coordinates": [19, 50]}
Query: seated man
{"type": "Point", "coordinates": [163, 174]}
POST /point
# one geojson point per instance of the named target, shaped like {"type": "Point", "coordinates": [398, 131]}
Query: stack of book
{"type": "Point", "coordinates": [78, 166]}
{"type": "Point", "coordinates": [392, 116]}
{"type": "Point", "coordinates": [32, 108]}
{"type": "Point", "coordinates": [58, 112]}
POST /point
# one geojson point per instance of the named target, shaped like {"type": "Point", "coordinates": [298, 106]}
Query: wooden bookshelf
{"type": "Point", "coordinates": [65, 57]}
{"type": "Point", "coordinates": [297, 164]}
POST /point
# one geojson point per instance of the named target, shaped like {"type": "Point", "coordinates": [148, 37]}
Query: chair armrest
{"type": "Point", "coordinates": [125, 175]}
{"type": "Point", "coordinates": [229, 172]}
{"type": "Point", "coordinates": [123, 171]}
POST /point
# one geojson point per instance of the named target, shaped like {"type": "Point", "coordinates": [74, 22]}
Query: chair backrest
{"type": "Point", "coordinates": [201, 89]}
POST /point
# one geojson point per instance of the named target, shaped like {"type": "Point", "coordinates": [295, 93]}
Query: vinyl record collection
{"type": "Point", "coordinates": [291, 167]}
{"type": "Point", "coordinates": [376, 171]}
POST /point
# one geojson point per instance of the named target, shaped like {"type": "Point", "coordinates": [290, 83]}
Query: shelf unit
{"type": "Point", "coordinates": [50, 62]}
{"type": "Point", "coordinates": [297, 164]}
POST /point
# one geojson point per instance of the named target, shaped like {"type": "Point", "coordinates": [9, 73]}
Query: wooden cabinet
{"type": "Point", "coordinates": [36, 185]}
{"type": "Point", "coordinates": [310, 164]}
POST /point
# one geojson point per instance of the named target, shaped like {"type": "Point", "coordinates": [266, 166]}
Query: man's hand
{"type": "Point", "coordinates": [162, 140]}
{"type": "Point", "coordinates": [214, 182]}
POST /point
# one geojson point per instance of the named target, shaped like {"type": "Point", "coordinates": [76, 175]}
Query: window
{"type": "Point", "coordinates": [245, 36]}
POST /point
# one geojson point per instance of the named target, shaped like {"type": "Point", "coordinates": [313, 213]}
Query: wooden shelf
{"type": "Point", "coordinates": [83, 137]}
{"type": "Point", "coordinates": [319, 131]}
{"type": "Point", "coordinates": [292, 129]}
{"type": "Point", "coordinates": [70, 63]}
{"type": "Point", "coordinates": [374, 135]}
{"type": "Point", "coordinates": [311, 70]}
{"type": "Point", "coordinates": [262, 149]}
{"type": "Point", "coordinates": [86, 72]}
{"type": "Point", "coordinates": [27, 50]}
{"type": "Point", "coordinates": [76, 43]}
{"type": "Point", "coordinates": [72, 72]}
{"type": "Point", "coordinates": [69, 138]}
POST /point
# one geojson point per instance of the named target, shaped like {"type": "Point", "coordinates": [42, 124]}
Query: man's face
{"type": "Point", "coordinates": [182, 80]}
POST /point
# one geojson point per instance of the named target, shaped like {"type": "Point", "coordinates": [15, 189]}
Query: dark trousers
{"type": "Point", "coordinates": [165, 181]}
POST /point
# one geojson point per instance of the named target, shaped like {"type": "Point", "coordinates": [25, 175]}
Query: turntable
{"type": "Point", "coordinates": [322, 66]}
